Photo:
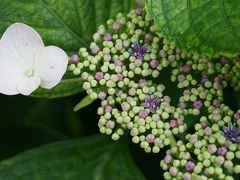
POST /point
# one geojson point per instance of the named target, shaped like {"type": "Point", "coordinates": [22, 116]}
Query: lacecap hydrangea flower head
{"type": "Point", "coordinates": [123, 71]}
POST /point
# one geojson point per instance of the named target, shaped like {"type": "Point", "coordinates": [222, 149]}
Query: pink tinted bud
{"type": "Point", "coordinates": [190, 166]}
{"type": "Point", "coordinates": [168, 159]}
{"type": "Point", "coordinates": [95, 49]}
{"type": "Point", "coordinates": [132, 91]}
{"type": "Point", "coordinates": [108, 108]}
{"type": "Point", "coordinates": [182, 105]}
{"type": "Point", "coordinates": [187, 91]}
{"type": "Point", "coordinates": [155, 117]}
{"type": "Point", "coordinates": [74, 58]}
{"type": "Point", "coordinates": [143, 114]}
{"type": "Point", "coordinates": [178, 51]}
{"type": "Point", "coordinates": [99, 75]}
{"type": "Point", "coordinates": [222, 151]}
{"type": "Point", "coordinates": [119, 92]}
{"type": "Point", "coordinates": [212, 148]}
{"type": "Point", "coordinates": [143, 84]}
{"type": "Point", "coordinates": [139, 11]}
{"type": "Point", "coordinates": [107, 57]}
{"type": "Point", "coordinates": [125, 106]}
{"type": "Point", "coordinates": [84, 75]}
{"type": "Point", "coordinates": [180, 122]}
{"type": "Point", "coordinates": [173, 123]}
{"type": "Point", "coordinates": [118, 63]}
{"type": "Point", "coordinates": [110, 124]}
{"type": "Point", "coordinates": [107, 37]}
{"type": "Point", "coordinates": [204, 124]}
{"type": "Point", "coordinates": [186, 68]}
{"type": "Point", "coordinates": [138, 62]}
{"type": "Point", "coordinates": [116, 26]}
{"type": "Point", "coordinates": [102, 95]}
{"type": "Point", "coordinates": [208, 131]}
{"type": "Point", "coordinates": [216, 103]}
{"type": "Point", "coordinates": [102, 122]}
{"type": "Point", "coordinates": [167, 99]}
{"type": "Point", "coordinates": [100, 111]}
{"type": "Point", "coordinates": [217, 79]}
{"type": "Point", "coordinates": [126, 43]}
{"type": "Point", "coordinates": [173, 171]}
{"type": "Point", "coordinates": [157, 141]}
{"type": "Point", "coordinates": [223, 60]}
{"type": "Point", "coordinates": [118, 46]}
{"type": "Point", "coordinates": [168, 132]}
{"type": "Point", "coordinates": [228, 164]}
{"type": "Point", "coordinates": [154, 63]}
{"type": "Point", "coordinates": [148, 37]}
{"type": "Point", "coordinates": [120, 77]}
{"type": "Point", "coordinates": [187, 176]}
{"type": "Point", "coordinates": [237, 116]}
{"type": "Point", "coordinates": [193, 139]}
{"type": "Point", "coordinates": [181, 78]}
{"type": "Point", "coordinates": [197, 104]}
{"type": "Point", "coordinates": [174, 149]}
{"type": "Point", "coordinates": [150, 138]}
{"type": "Point", "coordinates": [129, 100]}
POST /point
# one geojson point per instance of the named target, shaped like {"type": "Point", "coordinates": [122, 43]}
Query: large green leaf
{"type": "Point", "coordinates": [91, 158]}
{"type": "Point", "coordinates": [68, 24]}
{"type": "Point", "coordinates": [209, 27]}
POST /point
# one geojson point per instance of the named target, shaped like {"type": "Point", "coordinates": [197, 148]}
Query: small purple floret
{"type": "Point", "coordinates": [190, 166]}
{"type": "Point", "coordinates": [138, 50]}
{"type": "Point", "coordinates": [197, 104]}
{"type": "Point", "coordinates": [222, 151]}
{"type": "Point", "coordinates": [139, 11]}
{"type": "Point", "coordinates": [232, 133]}
{"type": "Point", "coordinates": [74, 58]}
{"type": "Point", "coordinates": [99, 75]}
{"type": "Point", "coordinates": [151, 103]}
{"type": "Point", "coordinates": [107, 37]}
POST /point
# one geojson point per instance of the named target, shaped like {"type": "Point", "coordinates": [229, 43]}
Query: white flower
{"type": "Point", "coordinates": [26, 64]}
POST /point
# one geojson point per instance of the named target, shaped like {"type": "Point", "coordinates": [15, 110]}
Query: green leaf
{"type": "Point", "coordinates": [68, 24]}
{"type": "Point", "coordinates": [95, 157]}
{"type": "Point", "coordinates": [87, 100]}
{"type": "Point", "coordinates": [210, 27]}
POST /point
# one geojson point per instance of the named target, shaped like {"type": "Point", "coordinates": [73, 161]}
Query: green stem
{"type": "Point", "coordinates": [172, 141]}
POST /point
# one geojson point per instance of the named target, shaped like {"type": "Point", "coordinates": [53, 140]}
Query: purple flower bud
{"type": "Point", "coordinates": [143, 84]}
{"type": "Point", "coordinates": [204, 124]}
{"type": "Point", "coordinates": [148, 37]}
{"type": "Point", "coordinates": [107, 37]}
{"type": "Point", "coordinates": [150, 138]}
{"type": "Point", "coordinates": [108, 108]}
{"type": "Point", "coordinates": [173, 123]}
{"type": "Point", "coordinates": [187, 176]}
{"type": "Point", "coordinates": [223, 60]}
{"type": "Point", "coordinates": [197, 104]}
{"type": "Point", "coordinates": [212, 148]}
{"type": "Point", "coordinates": [181, 78]}
{"type": "Point", "coordinates": [168, 159]}
{"type": "Point", "coordinates": [95, 49]}
{"type": "Point", "coordinates": [186, 68]}
{"type": "Point", "coordinates": [99, 75]}
{"type": "Point", "coordinates": [167, 99]}
{"type": "Point", "coordinates": [178, 51]}
{"type": "Point", "coordinates": [154, 63]}
{"type": "Point", "coordinates": [180, 122]}
{"type": "Point", "coordinates": [237, 116]}
{"type": "Point", "coordinates": [217, 79]}
{"type": "Point", "coordinates": [208, 131]}
{"type": "Point", "coordinates": [222, 151]}
{"type": "Point", "coordinates": [139, 11]}
{"type": "Point", "coordinates": [181, 105]}
{"type": "Point", "coordinates": [143, 114]}
{"type": "Point", "coordinates": [74, 58]}
{"type": "Point", "coordinates": [110, 124]}
{"type": "Point", "coordinates": [190, 166]}
{"type": "Point", "coordinates": [216, 103]}
{"type": "Point", "coordinates": [116, 26]}
{"type": "Point", "coordinates": [120, 77]}
{"type": "Point", "coordinates": [187, 91]}
{"type": "Point", "coordinates": [107, 57]}
{"type": "Point", "coordinates": [102, 95]}
{"type": "Point", "coordinates": [118, 63]}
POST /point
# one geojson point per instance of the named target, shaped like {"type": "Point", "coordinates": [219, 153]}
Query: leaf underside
{"type": "Point", "coordinates": [208, 27]}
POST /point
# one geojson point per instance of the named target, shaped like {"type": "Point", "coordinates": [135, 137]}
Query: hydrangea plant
{"type": "Point", "coordinates": [171, 102]}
